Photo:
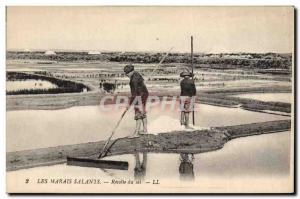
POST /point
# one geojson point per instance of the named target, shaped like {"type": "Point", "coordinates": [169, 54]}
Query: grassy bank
{"type": "Point", "coordinates": [63, 86]}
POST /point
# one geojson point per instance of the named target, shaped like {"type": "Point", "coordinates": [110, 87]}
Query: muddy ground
{"type": "Point", "coordinates": [216, 98]}
{"type": "Point", "coordinates": [197, 141]}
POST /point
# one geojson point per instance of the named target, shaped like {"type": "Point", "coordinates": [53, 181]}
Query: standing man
{"type": "Point", "coordinates": [188, 91]}
{"type": "Point", "coordinates": [139, 95]}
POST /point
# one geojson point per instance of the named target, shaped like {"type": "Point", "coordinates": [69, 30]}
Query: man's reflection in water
{"type": "Point", "coordinates": [140, 168]}
{"type": "Point", "coordinates": [186, 168]}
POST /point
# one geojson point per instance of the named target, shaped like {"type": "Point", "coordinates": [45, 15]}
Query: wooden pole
{"type": "Point", "coordinates": [192, 55]}
{"type": "Point", "coordinates": [192, 60]}
{"type": "Point", "coordinates": [104, 149]}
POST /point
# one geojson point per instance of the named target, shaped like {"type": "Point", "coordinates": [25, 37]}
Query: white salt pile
{"type": "Point", "coordinates": [164, 124]}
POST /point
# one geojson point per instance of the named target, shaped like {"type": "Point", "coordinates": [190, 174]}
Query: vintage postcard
{"type": "Point", "coordinates": [148, 99]}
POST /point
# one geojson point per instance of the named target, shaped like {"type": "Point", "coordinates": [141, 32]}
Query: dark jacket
{"type": "Point", "coordinates": [188, 87]}
{"type": "Point", "coordinates": [137, 86]}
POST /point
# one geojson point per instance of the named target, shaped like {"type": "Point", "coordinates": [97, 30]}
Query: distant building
{"type": "Point", "coordinates": [50, 52]}
{"type": "Point", "coordinates": [93, 52]}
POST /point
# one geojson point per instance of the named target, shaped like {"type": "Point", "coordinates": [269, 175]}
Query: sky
{"type": "Point", "coordinates": [215, 29]}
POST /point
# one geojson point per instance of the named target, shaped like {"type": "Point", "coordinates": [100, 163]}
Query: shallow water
{"type": "Point", "coordinates": [83, 69]}
{"type": "Point", "coordinates": [28, 84]}
{"type": "Point", "coordinates": [23, 69]}
{"type": "Point", "coordinates": [242, 163]}
{"type": "Point", "coordinates": [268, 97]}
{"type": "Point", "coordinates": [29, 129]}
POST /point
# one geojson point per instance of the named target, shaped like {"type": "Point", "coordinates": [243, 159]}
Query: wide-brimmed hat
{"type": "Point", "coordinates": [128, 68]}
{"type": "Point", "coordinates": [185, 73]}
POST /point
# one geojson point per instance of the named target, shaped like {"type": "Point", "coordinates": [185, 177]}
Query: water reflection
{"type": "Point", "coordinates": [140, 167]}
{"type": "Point", "coordinates": [186, 167]}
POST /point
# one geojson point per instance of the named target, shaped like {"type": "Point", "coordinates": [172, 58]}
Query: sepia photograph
{"type": "Point", "coordinates": [150, 99]}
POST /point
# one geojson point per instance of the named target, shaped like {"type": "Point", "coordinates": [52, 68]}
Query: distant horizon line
{"type": "Point", "coordinates": [139, 51]}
